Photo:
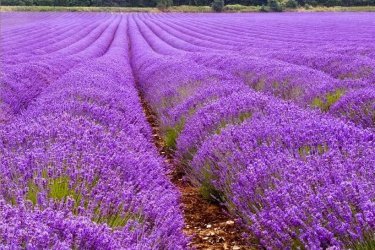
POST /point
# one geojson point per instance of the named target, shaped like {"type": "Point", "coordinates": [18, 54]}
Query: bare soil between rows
{"type": "Point", "coordinates": [208, 225]}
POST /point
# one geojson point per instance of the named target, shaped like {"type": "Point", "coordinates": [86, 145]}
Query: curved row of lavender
{"type": "Point", "coordinates": [295, 177]}
{"type": "Point", "coordinates": [310, 66]}
{"type": "Point", "coordinates": [28, 69]}
{"type": "Point", "coordinates": [78, 166]}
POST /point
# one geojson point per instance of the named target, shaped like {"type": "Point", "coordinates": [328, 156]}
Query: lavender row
{"type": "Point", "coordinates": [294, 177]}
{"type": "Point", "coordinates": [353, 40]}
{"type": "Point", "coordinates": [302, 85]}
{"type": "Point", "coordinates": [252, 33]}
{"type": "Point", "coordinates": [352, 34]}
{"type": "Point", "coordinates": [79, 166]}
{"type": "Point", "coordinates": [348, 65]}
{"type": "Point", "coordinates": [62, 40]}
{"type": "Point", "coordinates": [22, 82]}
{"type": "Point", "coordinates": [306, 85]}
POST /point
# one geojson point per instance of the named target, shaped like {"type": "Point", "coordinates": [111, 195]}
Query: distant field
{"type": "Point", "coordinates": [183, 9]}
{"type": "Point", "coordinates": [106, 118]}
{"type": "Point", "coordinates": [77, 9]}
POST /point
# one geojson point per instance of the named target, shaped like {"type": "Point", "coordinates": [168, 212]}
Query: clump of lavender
{"type": "Point", "coordinates": [254, 129]}
{"type": "Point", "coordinates": [78, 167]}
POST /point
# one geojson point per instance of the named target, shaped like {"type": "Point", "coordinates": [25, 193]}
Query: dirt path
{"type": "Point", "coordinates": [208, 224]}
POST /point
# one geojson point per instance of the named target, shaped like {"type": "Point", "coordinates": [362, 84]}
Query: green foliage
{"type": "Point", "coordinates": [209, 193]}
{"type": "Point", "coordinates": [164, 4]}
{"type": "Point", "coordinates": [263, 8]}
{"type": "Point", "coordinates": [59, 188]}
{"type": "Point", "coordinates": [307, 150]}
{"type": "Point", "coordinates": [292, 4]}
{"type": "Point", "coordinates": [172, 133]}
{"type": "Point", "coordinates": [27, 2]}
{"type": "Point", "coordinates": [329, 99]}
{"type": "Point", "coordinates": [275, 5]}
{"type": "Point", "coordinates": [32, 194]}
{"type": "Point", "coordinates": [207, 190]}
{"type": "Point", "coordinates": [190, 8]}
{"type": "Point", "coordinates": [234, 7]}
{"type": "Point", "coordinates": [46, 2]}
{"type": "Point", "coordinates": [368, 243]}
{"type": "Point", "coordinates": [259, 85]}
{"type": "Point", "coordinates": [12, 2]}
{"type": "Point", "coordinates": [311, 3]}
{"type": "Point", "coordinates": [217, 5]}
{"type": "Point", "coordinates": [236, 120]}
{"type": "Point", "coordinates": [333, 2]}
{"type": "Point", "coordinates": [116, 217]}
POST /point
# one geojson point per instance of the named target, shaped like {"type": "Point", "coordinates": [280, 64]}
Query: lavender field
{"type": "Point", "coordinates": [270, 115]}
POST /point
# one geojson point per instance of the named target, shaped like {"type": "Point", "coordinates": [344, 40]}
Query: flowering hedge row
{"type": "Point", "coordinates": [78, 165]}
{"type": "Point", "coordinates": [294, 176]}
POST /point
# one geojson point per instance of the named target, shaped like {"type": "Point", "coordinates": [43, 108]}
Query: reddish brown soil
{"type": "Point", "coordinates": [207, 224]}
